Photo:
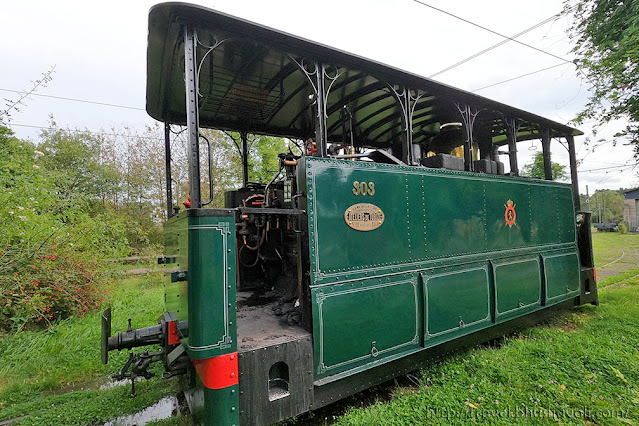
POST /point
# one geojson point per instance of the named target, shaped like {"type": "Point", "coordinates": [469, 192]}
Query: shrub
{"type": "Point", "coordinates": [47, 285]}
{"type": "Point", "coordinates": [50, 244]}
{"type": "Point", "coordinates": [623, 227]}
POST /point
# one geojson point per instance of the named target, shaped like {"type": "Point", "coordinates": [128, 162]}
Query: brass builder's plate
{"type": "Point", "coordinates": [364, 216]}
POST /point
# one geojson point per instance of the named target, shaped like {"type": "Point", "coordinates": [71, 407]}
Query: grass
{"type": "Point", "coordinates": [607, 245]}
{"type": "Point", "coordinates": [587, 357]}
{"type": "Point", "coordinates": [35, 366]}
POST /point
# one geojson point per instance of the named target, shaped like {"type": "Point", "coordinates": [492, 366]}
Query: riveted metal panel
{"type": "Point", "coordinates": [203, 298]}
{"type": "Point", "coordinates": [501, 235]}
{"type": "Point", "coordinates": [517, 287]}
{"type": "Point", "coordinates": [211, 286]}
{"type": "Point", "coordinates": [457, 301]}
{"type": "Point", "coordinates": [331, 193]}
{"type": "Point", "coordinates": [562, 276]}
{"type": "Point", "coordinates": [431, 218]}
{"type": "Point", "coordinates": [546, 213]}
{"type": "Point", "coordinates": [176, 247]}
{"type": "Point", "coordinates": [566, 216]}
{"type": "Point", "coordinates": [362, 323]}
{"type": "Point", "coordinates": [456, 216]}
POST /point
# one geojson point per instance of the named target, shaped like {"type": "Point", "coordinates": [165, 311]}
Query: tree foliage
{"type": "Point", "coordinates": [606, 36]}
{"type": "Point", "coordinates": [605, 205]}
{"type": "Point", "coordinates": [51, 241]}
{"type": "Point", "coordinates": [77, 198]}
{"type": "Point", "coordinates": [536, 169]}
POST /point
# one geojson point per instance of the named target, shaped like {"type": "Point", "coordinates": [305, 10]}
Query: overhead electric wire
{"type": "Point", "coordinates": [74, 100]}
{"type": "Point", "coordinates": [84, 131]}
{"type": "Point", "coordinates": [492, 31]}
{"type": "Point", "coordinates": [518, 77]}
{"type": "Point", "coordinates": [494, 46]}
{"type": "Point", "coordinates": [608, 168]}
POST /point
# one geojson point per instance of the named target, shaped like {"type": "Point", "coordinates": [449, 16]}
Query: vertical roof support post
{"type": "Point", "coordinates": [407, 104]}
{"type": "Point", "coordinates": [167, 170]}
{"type": "Point", "coordinates": [407, 150]}
{"type": "Point", "coordinates": [545, 146]}
{"type": "Point", "coordinates": [245, 175]}
{"type": "Point", "coordinates": [573, 170]}
{"type": "Point", "coordinates": [320, 125]}
{"type": "Point", "coordinates": [192, 118]}
{"type": "Point", "coordinates": [468, 117]}
{"type": "Point", "coordinates": [512, 127]}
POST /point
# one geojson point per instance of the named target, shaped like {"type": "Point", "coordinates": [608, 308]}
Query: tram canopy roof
{"type": "Point", "coordinates": [253, 81]}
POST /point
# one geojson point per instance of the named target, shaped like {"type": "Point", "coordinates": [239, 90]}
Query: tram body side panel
{"type": "Point", "coordinates": [449, 253]}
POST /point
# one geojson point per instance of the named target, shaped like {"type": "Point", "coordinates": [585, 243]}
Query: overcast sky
{"type": "Point", "coordinates": [99, 53]}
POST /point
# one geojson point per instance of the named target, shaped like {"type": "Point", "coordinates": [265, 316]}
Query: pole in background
{"type": "Point", "coordinates": [167, 167]}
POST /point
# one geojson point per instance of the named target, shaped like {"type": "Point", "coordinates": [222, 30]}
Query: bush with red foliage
{"type": "Point", "coordinates": [45, 286]}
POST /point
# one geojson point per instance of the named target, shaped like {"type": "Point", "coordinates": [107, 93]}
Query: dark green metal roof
{"type": "Point", "coordinates": [251, 83]}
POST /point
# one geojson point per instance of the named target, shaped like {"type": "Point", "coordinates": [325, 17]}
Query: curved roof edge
{"type": "Point", "coordinates": [162, 16]}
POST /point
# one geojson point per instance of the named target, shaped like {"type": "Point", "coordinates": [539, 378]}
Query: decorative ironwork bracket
{"type": "Point", "coordinates": [407, 100]}
{"type": "Point", "coordinates": [468, 114]}
{"type": "Point", "coordinates": [512, 128]}
{"type": "Point", "coordinates": [318, 76]}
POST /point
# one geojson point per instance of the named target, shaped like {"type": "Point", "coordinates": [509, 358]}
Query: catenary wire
{"type": "Point", "coordinates": [518, 77]}
{"type": "Point", "coordinates": [84, 131]}
{"type": "Point", "coordinates": [492, 31]}
{"type": "Point", "coordinates": [74, 100]}
{"type": "Point", "coordinates": [496, 45]}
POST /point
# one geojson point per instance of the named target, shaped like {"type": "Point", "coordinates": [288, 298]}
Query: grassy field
{"type": "Point", "coordinates": [580, 368]}
{"type": "Point", "coordinates": [53, 377]}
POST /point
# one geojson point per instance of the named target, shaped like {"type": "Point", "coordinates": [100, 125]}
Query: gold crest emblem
{"type": "Point", "coordinates": [364, 217]}
{"type": "Point", "coordinates": [510, 214]}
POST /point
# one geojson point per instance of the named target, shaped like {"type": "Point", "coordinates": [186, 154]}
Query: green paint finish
{"type": "Point", "coordinates": [455, 216]}
{"type": "Point", "coordinates": [562, 274]}
{"type": "Point", "coordinates": [565, 221]}
{"type": "Point", "coordinates": [206, 300]}
{"type": "Point", "coordinates": [215, 407]}
{"type": "Point", "coordinates": [517, 287]}
{"type": "Point", "coordinates": [175, 244]}
{"type": "Point", "coordinates": [222, 406]}
{"type": "Point", "coordinates": [502, 236]}
{"type": "Point", "coordinates": [212, 313]}
{"type": "Point", "coordinates": [456, 301]}
{"type": "Point", "coordinates": [545, 221]}
{"type": "Point", "coordinates": [431, 216]}
{"type": "Point", "coordinates": [365, 322]}
{"type": "Point", "coordinates": [445, 238]}
{"type": "Point", "coordinates": [331, 193]}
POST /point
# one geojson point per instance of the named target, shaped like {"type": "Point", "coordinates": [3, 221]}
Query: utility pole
{"type": "Point", "coordinates": [587, 199]}
{"type": "Point", "coordinates": [599, 207]}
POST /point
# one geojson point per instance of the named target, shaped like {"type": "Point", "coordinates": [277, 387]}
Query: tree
{"type": "Point", "coordinates": [606, 36]}
{"type": "Point", "coordinates": [73, 159]}
{"type": "Point", "coordinates": [605, 205]}
{"type": "Point", "coordinates": [16, 103]}
{"type": "Point", "coordinates": [536, 169]}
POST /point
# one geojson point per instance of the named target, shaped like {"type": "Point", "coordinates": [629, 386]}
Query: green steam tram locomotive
{"type": "Point", "coordinates": [396, 236]}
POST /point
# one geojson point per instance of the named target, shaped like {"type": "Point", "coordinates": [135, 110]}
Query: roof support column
{"type": "Point", "coordinates": [512, 127]}
{"type": "Point", "coordinates": [545, 146]}
{"type": "Point", "coordinates": [573, 170]}
{"type": "Point", "coordinates": [320, 126]}
{"type": "Point", "coordinates": [167, 170]}
{"type": "Point", "coordinates": [468, 117]}
{"type": "Point", "coordinates": [192, 118]}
